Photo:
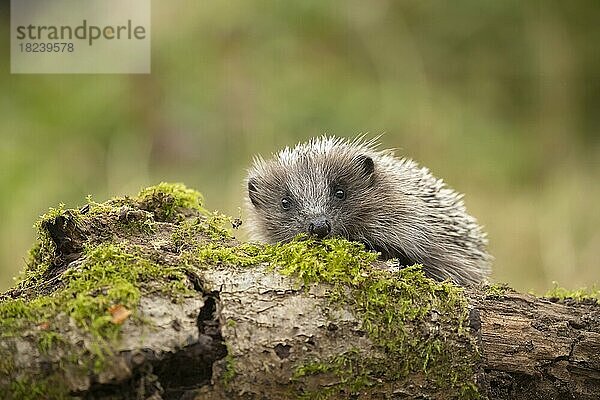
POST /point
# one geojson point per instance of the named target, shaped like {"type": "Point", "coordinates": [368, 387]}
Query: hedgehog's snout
{"type": "Point", "coordinates": [319, 227]}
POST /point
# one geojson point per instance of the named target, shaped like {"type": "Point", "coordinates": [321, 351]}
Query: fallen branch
{"type": "Point", "coordinates": [149, 297]}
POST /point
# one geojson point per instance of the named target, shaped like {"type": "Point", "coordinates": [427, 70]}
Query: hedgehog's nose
{"type": "Point", "coordinates": [319, 227]}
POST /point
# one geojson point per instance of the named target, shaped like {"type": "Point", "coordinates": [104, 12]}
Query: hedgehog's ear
{"type": "Point", "coordinates": [367, 165]}
{"type": "Point", "coordinates": [252, 191]}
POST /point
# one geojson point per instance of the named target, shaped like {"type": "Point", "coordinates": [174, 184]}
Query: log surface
{"type": "Point", "coordinates": [245, 332]}
{"type": "Point", "coordinates": [533, 348]}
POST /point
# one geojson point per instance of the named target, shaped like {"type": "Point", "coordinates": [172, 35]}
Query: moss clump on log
{"type": "Point", "coordinates": [413, 320]}
{"type": "Point", "coordinates": [93, 285]}
{"type": "Point", "coordinates": [408, 316]}
{"type": "Point", "coordinates": [558, 293]}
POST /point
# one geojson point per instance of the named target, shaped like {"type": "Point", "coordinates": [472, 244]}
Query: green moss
{"type": "Point", "coordinates": [38, 260]}
{"type": "Point", "coordinates": [108, 276]}
{"type": "Point", "coordinates": [30, 389]}
{"type": "Point", "coordinates": [208, 226]}
{"type": "Point", "coordinates": [137, 221]}
{"type": "Point", "coordinates": [332, 260]}
{"type": "Point", "coordinates": [42, 253]}
{"type": "Point", "coordinates": [51, 215]}
{"type": "Point", "coordinates": [93, 208]}
{"type": "Point", "coordinates": [561, 294]}
{"type": "Point", "coordinates": [394, 307]}
{"type": "Point", "coordinates": [6, 365]}
{"type": "Point", "coordinates": [231, 323]}
{"type": "Point", "coordinates": [105, 275]}
{"type": "Point", "coordinates": [215, 229]}
{"type": "Point", "coordinates": [348, 368]}
{"type": "Point", "coordinates": [47, 340]}
{"type": "Point", "coordinates": [387, 303]}
{"type": "Point", "coordinates": [184, 237]}
{"type": "Point", "coordinates": [167, 200]}
{"type": "Point", "coordinates": [130, 215]}
{"type": "Point", "coordinates": [496, 289]}
{"type": "Point", "coordinates": [230, 371]}
{"type": "Point", "coordinates": [244, 255]}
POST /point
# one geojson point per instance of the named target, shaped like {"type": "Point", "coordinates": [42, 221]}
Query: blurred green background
{"type": "Point", "coordinates": [501, 99]}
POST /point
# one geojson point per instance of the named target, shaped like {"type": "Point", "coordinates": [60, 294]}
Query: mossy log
{"type": "Point", "coordinates": [150, 297]}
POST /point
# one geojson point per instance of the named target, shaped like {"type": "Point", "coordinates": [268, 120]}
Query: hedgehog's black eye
{"type": "Point", "coordinates": [339, 194]}
{"type": "Point", "coordinates": [286, 203]}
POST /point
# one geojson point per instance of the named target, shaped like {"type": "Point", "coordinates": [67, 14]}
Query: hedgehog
{"type": "Point", "coordinates": [335, 187]}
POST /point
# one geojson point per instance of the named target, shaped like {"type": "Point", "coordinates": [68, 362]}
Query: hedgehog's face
{"type": "Point", "coordinates": [317, 194]}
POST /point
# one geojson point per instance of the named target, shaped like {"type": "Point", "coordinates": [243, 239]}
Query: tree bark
{"type": "Point", "coordinates": [246, 331]}
{"type": "Point", "coordinates": [533, 348]}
